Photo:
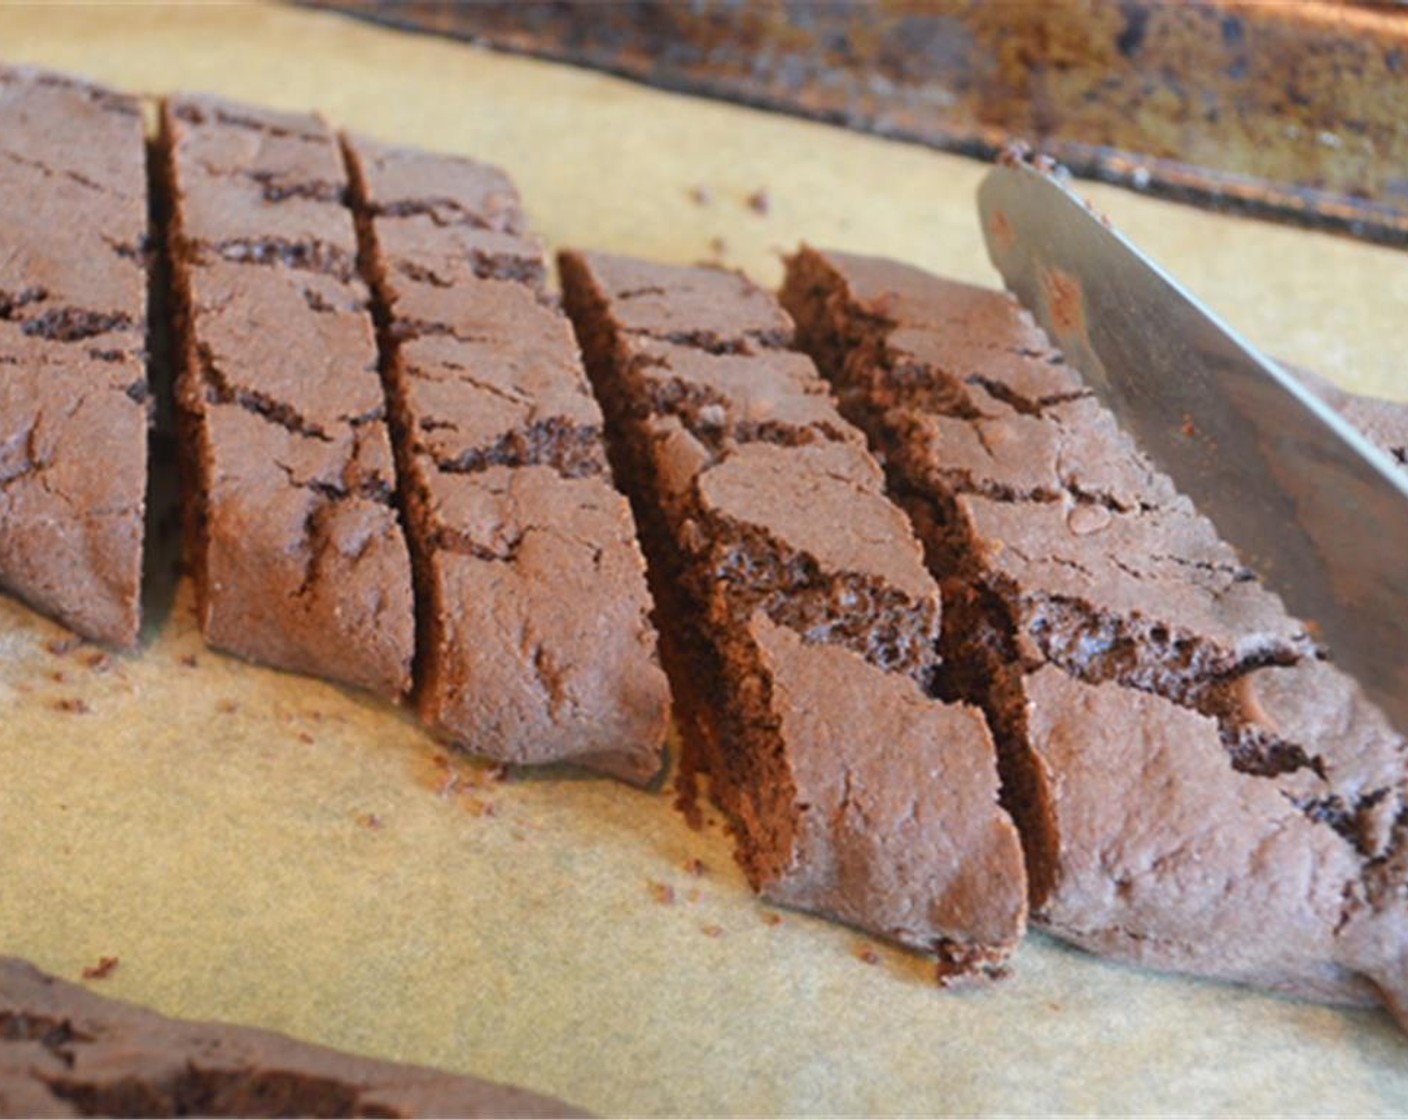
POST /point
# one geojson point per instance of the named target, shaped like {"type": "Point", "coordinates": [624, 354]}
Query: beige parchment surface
{"type": "Point", "coordinates": [274, 851]}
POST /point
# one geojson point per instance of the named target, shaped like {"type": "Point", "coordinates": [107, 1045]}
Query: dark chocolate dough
{"type": "Point", "coordinates": [802, 624]}
{"type": "Point", "coordinates": [300, 560]}
{"type": "Point", "coordinates": [73, 377]}
{"type": "Point", "coordinates": [535, 639]}
{"type": "Point", "coordinates": [1198, 787]}
{"type": "Point", "coordinates": [65, 1051]}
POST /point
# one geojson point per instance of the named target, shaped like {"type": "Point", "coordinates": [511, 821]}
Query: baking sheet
{"type": "Point", "coordinates": [278, 852]}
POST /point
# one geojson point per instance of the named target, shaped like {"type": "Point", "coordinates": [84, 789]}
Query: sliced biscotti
{"type": "Point", "coordinates": [299, 558]}
{"type": "Point", "coordinates": [1199, 788]}
{"type": "Point", "coordinates": [73, 323]}
{"type": "Point", "coordinates": [535, 639]}
{"type": "Point", "coordinates": [808, 620]}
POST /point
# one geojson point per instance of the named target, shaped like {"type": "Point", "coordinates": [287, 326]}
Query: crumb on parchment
{"type": "Point", "coordinates": [662, 893]}
{"type": "Point", "coordinates": [105, 967]}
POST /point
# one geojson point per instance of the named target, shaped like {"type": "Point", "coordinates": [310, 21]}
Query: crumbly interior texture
{"type": "Point", "coordinates": [300, 560]}
{"type": "Point", "coordinates": [65, 1051]}
{"type": "Point", "coordinates": [73, 378]}
{"type": "Point", "coordinates": [535, 640]}
{"type": "Point", "coordinates": [1199, 788]}
{"type": "Point", "coordinates": [803, 624]}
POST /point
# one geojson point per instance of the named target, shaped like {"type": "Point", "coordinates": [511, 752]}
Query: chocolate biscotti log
{"type": "Point", "coordinates": [808, 622]}
{"type": "Point", "coordinates": [535, 638]}
{"type": "Point", "coordinates": [1199, 788]}
{"type": "Point", "coordinates": [65, 1051]}
{"type": "Point", "coordinates": [299, 558]}
{"type": "Point", "coordinates": [73, 323]}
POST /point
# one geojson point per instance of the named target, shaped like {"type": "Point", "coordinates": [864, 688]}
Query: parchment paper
{"type": "Point", "coordinates": [273, 851]}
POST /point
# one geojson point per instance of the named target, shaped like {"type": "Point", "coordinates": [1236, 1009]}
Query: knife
{"type": "Point", "coordinates": [1319, 513]}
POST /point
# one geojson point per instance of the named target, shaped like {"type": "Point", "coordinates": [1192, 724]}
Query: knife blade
{"type": "Point", "coordinates": [1319, 513]}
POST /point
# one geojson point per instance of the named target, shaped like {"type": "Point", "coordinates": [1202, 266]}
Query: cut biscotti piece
{"type": "Point", "coordinates": [73, 378]}
{"type": "Point", "coordinates": [1200, 789]}
{"type": "Point", "coordinates": [535, 639]}
{"type": "Point", "coordinates": [807, 620]}
{"type": "Point", "coordinates": [299, 558]}
{"type": "Point", "coordinates": [65, 1051]}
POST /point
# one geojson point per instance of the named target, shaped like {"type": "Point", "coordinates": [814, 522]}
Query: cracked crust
{"type": "Point", "coordinates": [73, 384]}
{"type": "Point", "coordinates": [802, 623]}
{"type": "Point", "coordinates": [1199, 789]}
{"type": "Point", "coordinates": [300, 560]}
{"type": "Point", "coordinates": [65, 1051]}
{"type": "Point", "coordinates": [520, 668]}
{"type": "Point", "coordinates": [535, 639]}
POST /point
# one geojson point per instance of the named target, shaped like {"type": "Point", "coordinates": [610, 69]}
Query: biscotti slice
{"type": "Point", "coordinates": [535, 640]}
{"type": "Point", "coordinates": [65, 1051]}
{"type": "Point", "coordinates": [1199, 788]}
{"type": "Point", "coordinates": [299, 558]}
{"type": "Point", "coordinates": [73, 323]}
{"type": "Point", "coordinates": [808, 620]}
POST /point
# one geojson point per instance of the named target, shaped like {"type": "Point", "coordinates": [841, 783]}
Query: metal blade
{"type": "Point", "coordinates": [1315, 510]}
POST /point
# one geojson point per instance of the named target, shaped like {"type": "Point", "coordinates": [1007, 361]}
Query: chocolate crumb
{"type": "Point", "coordinates": [370, 821]}
{"type": "Point", "coordinates": [189, 661]}
{"type": "Point", "coordinates": [700, 195]}
{"type": "Point", "coordinates": [102, 970]}
{"type": "Point", "coordinates": [760, 202]}
{"type": "Point", "coordinates": [73, 705]}
{"type": "Point", "coordinates": [772, 918]}
{"type": "Point", "coordinates": [951, 976]}
{"type": "Point", "coordinates": [696, 867]}
{"type": "Point", "coordinates": [58, 676]}
{"type": "Point", "coordinates": [662, 893]}
{"type": "Point", "coordinates": [687, 804]}
{"type": "Point", "coordinates": [98, 661]}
